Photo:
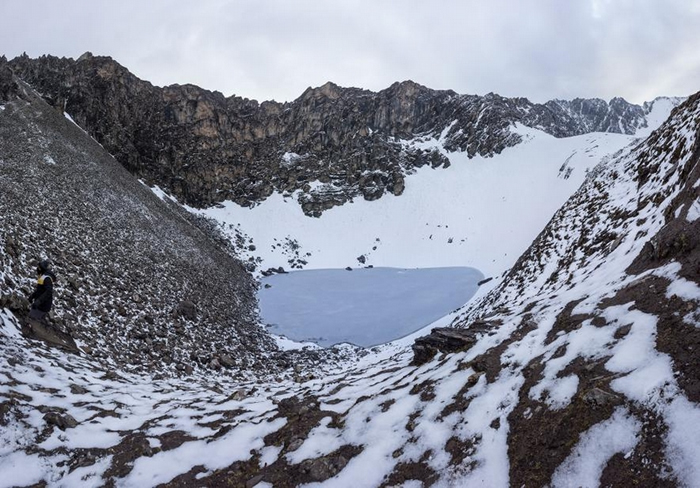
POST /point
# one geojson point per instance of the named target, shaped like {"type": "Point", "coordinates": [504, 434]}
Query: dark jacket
{"type": "Point", "coordinates": [42, 298]}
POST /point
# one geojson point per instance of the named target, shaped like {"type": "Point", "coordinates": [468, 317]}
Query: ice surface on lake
{"type": "Point", "coordinates": [366, 306]}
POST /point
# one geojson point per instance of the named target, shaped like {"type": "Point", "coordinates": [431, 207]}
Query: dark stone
{"type": "Point", "coordinates": [187, 309]}
{"type": "Point", "coordinates": [443, 339]}
{"type": "Point", "coordinates": [63, 422]}
{"type": "Point", "coordinates": [78, 390]}
{"type": "Point", "coordinates": [15, 302]}
{"type": "Point", "coordinates": [622, 331]}
{"type": "Point", "coordinates": [253, 481]}
{"type": "Point", "coordinates": [600, 398]}
{"type": "Point", "coordinates": [227, 361]}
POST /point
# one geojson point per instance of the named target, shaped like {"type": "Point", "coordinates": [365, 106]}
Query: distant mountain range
{"type": "Point", "coordinates": [204, 148]}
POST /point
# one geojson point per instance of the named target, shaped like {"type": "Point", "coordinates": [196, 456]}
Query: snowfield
{"type": "Point", "coordinates": [480, 212]}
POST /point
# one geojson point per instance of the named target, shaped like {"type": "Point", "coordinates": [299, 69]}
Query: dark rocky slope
{"type": "Point", "coordinates": [618, 265]}
{"type": "Point", "coordinates": [141, 285]}
{"type": "Point", "coordinates": [204, 148]}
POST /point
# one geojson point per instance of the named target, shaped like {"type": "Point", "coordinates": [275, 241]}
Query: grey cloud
{"type": "Point", "coordinates": [540, 49]}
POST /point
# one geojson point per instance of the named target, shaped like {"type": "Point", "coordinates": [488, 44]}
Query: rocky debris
{"type": "Point", "coordinates": [15, 302]}
{"type": "Point", "coordinates": [331, 144]}
{"type": "Point", "coordinates": [78, 390]}
{"type": "Point", "coordinates": [125, 259]}
{"type": "Point", "coordinates": [187, 309]}
{"type": "Point", "coordinates": [131, 447]}
{"type": "Point", "coordinates": [597, 397]}
{"type": "Point", "coordinates": [227, 361]}
{"type": "Point", "coordinates": [271, 271]}
{"type": "Point", "coordinates": [323, 468]}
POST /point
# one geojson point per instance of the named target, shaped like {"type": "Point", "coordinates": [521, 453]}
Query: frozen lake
{"type": "Point", "coordinates": [365, 307]}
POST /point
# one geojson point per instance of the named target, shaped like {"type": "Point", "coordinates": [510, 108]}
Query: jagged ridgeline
{"type": "Point", "coordinates": [332, 143]}
{"type": "Point", "coordinates": [140, 283]}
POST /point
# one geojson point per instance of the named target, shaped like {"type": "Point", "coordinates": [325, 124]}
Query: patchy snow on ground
{"type": "Point", "coordinates": [447, 418]}
{"type": "Point", "coordinates": [693, 212]}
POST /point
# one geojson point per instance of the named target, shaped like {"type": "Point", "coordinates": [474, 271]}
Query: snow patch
{"type": "Point", "coordinates": [694, 210]}
{"type": "Point", "coordinates": [685, 289]}
{"type": "Point", "coordinates": [290, 159]}
{"type": "Point", "coordinates": [585, 464]}
{"type": "Point", "coordinates": [162, 194]}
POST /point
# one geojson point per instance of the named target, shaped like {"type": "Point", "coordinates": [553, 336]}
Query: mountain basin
{"type": "Point", "coordinates": [366, 306]}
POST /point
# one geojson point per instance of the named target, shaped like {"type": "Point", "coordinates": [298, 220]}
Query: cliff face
{"type": "Point", "coordinates": [205, 148]}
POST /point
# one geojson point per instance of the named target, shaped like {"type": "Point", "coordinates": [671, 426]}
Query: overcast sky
{"type": "Point", "coordinates": [275, 49]}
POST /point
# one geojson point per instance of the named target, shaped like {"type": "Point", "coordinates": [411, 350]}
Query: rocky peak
{"type": "Point", "coordinates": [86, 56]}
{"type": "Point", "coordinates": [8, 86]}
{"type": "Point", "coordinates": [329, 90]}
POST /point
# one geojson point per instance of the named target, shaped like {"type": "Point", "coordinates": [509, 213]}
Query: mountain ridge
{"type": "Point", "coordinates": [204, 148]}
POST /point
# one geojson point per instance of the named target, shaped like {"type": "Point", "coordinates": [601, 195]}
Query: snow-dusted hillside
{"type": "Point", "coordinates": [139, 284]}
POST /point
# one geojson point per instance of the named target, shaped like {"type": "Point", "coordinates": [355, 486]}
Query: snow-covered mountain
{"type": "Point", "coordinates": [332, 144]}
{"type": "Point", "coordinates": [577, 368]}
{"type": "Point", "coordinates": [480, 212]}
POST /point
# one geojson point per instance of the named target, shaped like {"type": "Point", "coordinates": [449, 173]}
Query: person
{"type": "Point", "coordinates": [42, 298]}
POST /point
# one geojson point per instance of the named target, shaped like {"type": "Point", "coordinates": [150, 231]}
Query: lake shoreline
{"type": "Point", "coordinates": [365, 307]}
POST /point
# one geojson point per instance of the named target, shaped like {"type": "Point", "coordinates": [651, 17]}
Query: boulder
{"type": "Point", "coordinates": [187, 309]}
{"type": "Point", "coordinates": [444, 339]}
{"type": "Point", "coordinates": [227, 361]}
{"type": "Point", "coordinates": [15, 302]}
{"type": "Point", "coordinates": [63, 422]}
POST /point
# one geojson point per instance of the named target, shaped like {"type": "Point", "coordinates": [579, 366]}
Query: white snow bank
{"type": "Point", "coordinates": [480, 212]}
